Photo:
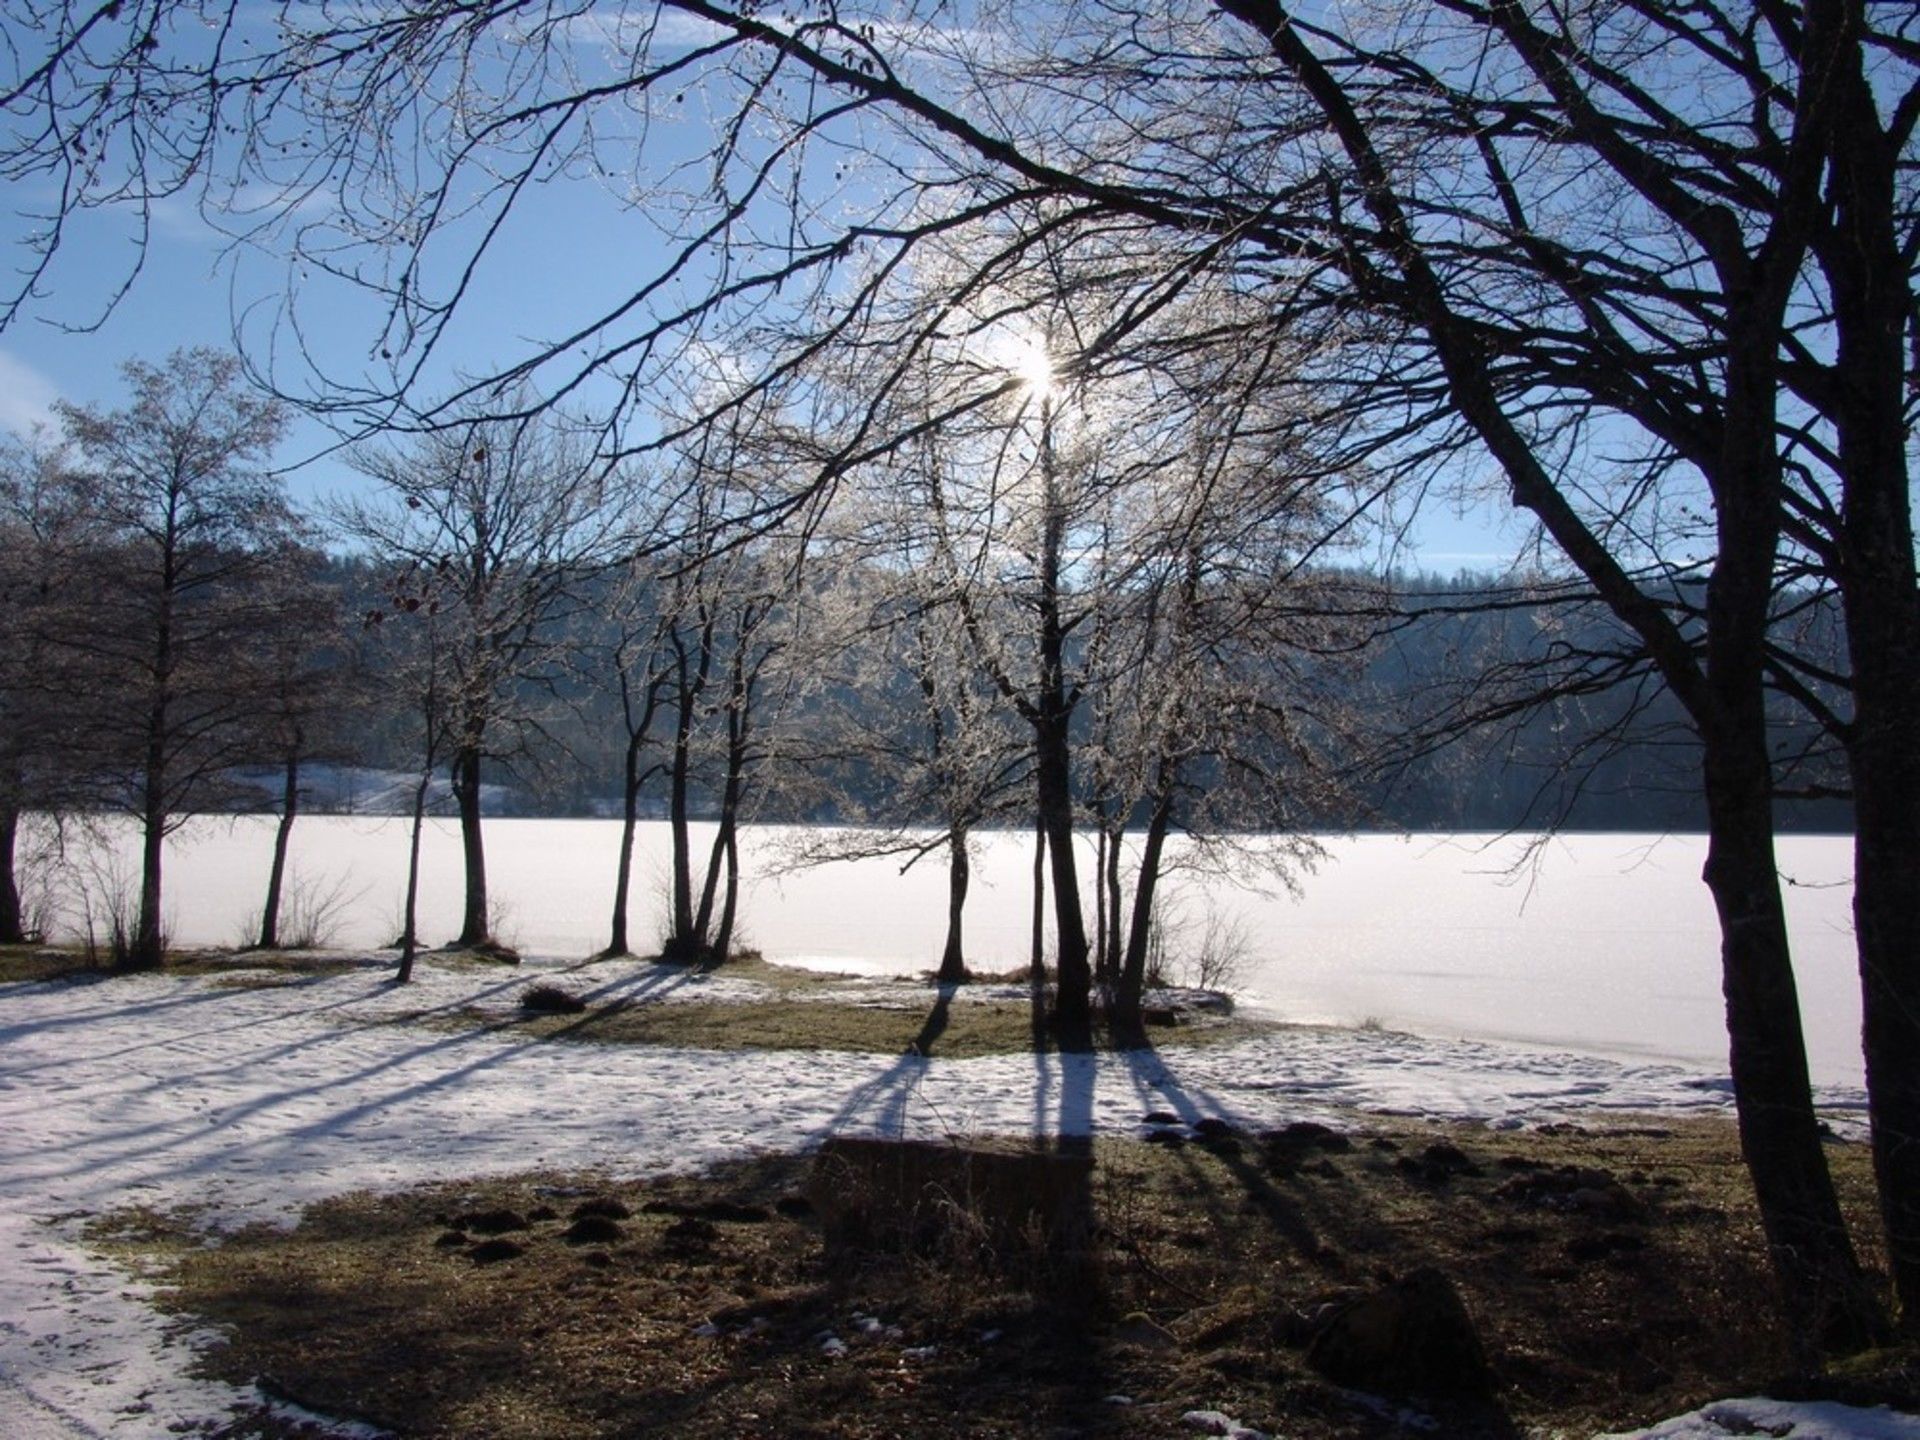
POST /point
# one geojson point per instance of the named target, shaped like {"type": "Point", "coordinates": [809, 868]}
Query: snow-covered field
{"type": "Point", "coordinates": [1606, 945]}
{"type": "Point", "coordinates": [252, 1102]}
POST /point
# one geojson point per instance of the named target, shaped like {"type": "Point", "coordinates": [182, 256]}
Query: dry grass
{"type": "Point", "coordinates": [1204, 1259]}
{"type": "Point", "coordinates": [805, 1010]}
{"type": "Point", "coordinates": [958, 1030]}
{"type": "Point", "coordinates": [238, 968]}
{"type": "Point", "coordinates": [953, 1029]}
{"type": "Point", "coordinates": [45, 962]}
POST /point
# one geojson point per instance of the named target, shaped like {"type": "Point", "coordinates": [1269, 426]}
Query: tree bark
{"type": "Point", "coordinates": [1038, 957]}
{"type": "Point", "coordinates": [730, 901]}
{"type": "Point", "coordinates": [1053, 769]}
{"type": "Point", "coordinates": [1110, 882]}
{"type": "Point", "coordinates": [1887, 934]}
{"type": "Point", "coordinates": [629, 822]}
{"type": "Point", "coordinates": [1104, 958]}
{"type": "Point", "coordinates": [12, 920]}
{"type": "Point", "coordinates": [1074, 992]}
{"type": "Point", "coordinates": [638, 730]}
{"type": "Point", "coordinates": [145, 946]}
{"type": "Point", "coordinates": [953, 957]}
{"type": "Point", "coordinates": [474, 928]}
{"type": "Point", "coordinates": [1779, 1134]}
{"type": "Point", "coordinates": [277, 870]}
{"type": "Point", "coordinates": [409, 917]}
{"type": "Point", "coordinates": [680, 939]}
{"type": "Point", "coordinates": [1861, 257]}
{"type": "Point", "coordinates": [1133, 971]}
{"type": "Point", "coordinates": [683, 940]}
{"type": "Point", "coordinates": [726, 842]}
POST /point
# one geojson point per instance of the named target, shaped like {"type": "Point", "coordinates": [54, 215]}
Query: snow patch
{"type": "Point", "coordinates": [1781, 1420]}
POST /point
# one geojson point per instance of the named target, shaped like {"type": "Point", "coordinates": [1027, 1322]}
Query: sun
{"type": "Point", "coordinates": [1030, 363]}
{"type": "Point", "coordinates": [1023, 357]}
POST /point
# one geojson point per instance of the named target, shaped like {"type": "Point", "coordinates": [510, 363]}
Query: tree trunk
{"type": "Point", "coordinates": [1887, 934]}
{"type": "Point", "coordinates": [953, 958]}
{"type": "Point", "coordinates": [277, 870]}
{"type": "Point", "coordinates": [710, 889]}
{"type": "Point", "coordinates": [629, 822]}
{"type": "Point", "coordinates": [1133, 971]}
{"type": "Point", "coordinates": [1779, 1133]}
{"type": "Point", "coordinates": [1074, 994]}
{"type": "Point", "coordinates": [1038, 958]}
{"type": "Point", "coordinates": [474, 929]}
{"type": "Point", "coordinates": [410, 913]}
{"type": "Point", "coordinates": [12, 921]}
{"type": "Point", "coordinates": [144, 948]}
{"type": "Point", "coordinates": [1862, 259]}
{"type": "Point", "coordinates": [726, 851]}
{"type": "Point", "coordinates": [682, 942]}
{"type": "Point", "coordinates": [730, 903]}
{"type": "Point", "coordinates": [631, 779]}
{"type": "Point", "coordinates": [1104, 958]}
{"type": "Point", "coordinates": [1053, 767]}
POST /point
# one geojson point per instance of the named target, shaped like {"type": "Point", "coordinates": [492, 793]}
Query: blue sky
{"type": "Point", "coordinates": [564, 255]}
{"type": "Point", "coordinates": [193, 292]}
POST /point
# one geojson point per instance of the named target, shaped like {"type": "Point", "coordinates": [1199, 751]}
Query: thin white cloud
{"type": "Point", "coordinates": [26, 396]}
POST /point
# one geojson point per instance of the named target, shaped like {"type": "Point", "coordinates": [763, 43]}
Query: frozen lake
{"type": "Point", "coordinates": [1607, 944]}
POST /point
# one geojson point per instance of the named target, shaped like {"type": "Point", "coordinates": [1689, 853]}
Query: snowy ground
{"type": "Point", "coordinates": [250, 1103]}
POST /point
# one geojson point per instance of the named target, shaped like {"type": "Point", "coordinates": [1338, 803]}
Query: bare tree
{"type": "Point", "coordinates": [911, 738]}
{"type": "Point", "coordinates": [310, 686]}
{"type": "Point", "coordinates": [1564, 87]}
{"type": "Point", "coordinates": [491, 528]}
{"type": "Point", "coordinates": [729, 614]}
{"type": "Point", "coordinates": [416, 668]}
{"type": "Point", "coordinates": [642, 674]}
{"type": "Point", "coordinates": [1005, 547]}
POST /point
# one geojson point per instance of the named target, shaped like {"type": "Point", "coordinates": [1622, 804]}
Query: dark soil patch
{"type": "Point", "coordinates": [490, 1222]}
{"type": "Point", "coordinates": [593, 1230]}
{"type": "Point", "coordinates": [544, 999]}
{"type": "Point", "coordinates": [605, 1206]}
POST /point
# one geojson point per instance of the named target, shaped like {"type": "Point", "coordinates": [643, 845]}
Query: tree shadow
{"type": "Point", "coordinates": [935, 1025]}
{"type": "Point", "coordinates": [1229, 1174]}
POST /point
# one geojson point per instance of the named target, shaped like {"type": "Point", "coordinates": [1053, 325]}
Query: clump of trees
{"type": "Point", "coordinates": [163, 569]}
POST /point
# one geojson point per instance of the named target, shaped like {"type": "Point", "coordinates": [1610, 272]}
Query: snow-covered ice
{"type": "Point", "coordinates": [1605, 943]}
{"type": "Point", "coordinates": [252, 1102]}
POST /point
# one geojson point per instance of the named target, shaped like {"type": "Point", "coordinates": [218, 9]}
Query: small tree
{"type": "Point", "coordinates": [638, 658]}
{"type": "Point", "coordinates": [307, 680]}
{"type": "Point", "coordinates": [905, 731]}
{"type": "Point", "coordinates": [724, 636]}
{"type": "Point", "coordinates": [491, 527]}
